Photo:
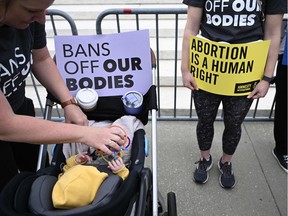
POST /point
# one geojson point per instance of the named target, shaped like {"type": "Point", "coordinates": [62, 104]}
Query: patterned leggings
{"type": "Point", "coordinates": [235, 109]}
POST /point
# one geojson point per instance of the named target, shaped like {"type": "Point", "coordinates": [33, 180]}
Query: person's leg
{"type": "Point", "coordinates": [235, 110]}
{"type": "Point", "coordinates": [280, 117]}
{"type": "Point", "coordinates": [7, 164]}
{"type": "Point", "coordinates": [206, 105]}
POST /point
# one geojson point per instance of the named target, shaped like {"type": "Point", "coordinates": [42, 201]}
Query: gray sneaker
{"type": "Point", "coordinates": [226, 178]}
{"type": "Point", "coordinates": [201, 172]}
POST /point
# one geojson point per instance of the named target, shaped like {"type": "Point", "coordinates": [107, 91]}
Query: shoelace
{"type": "Point", "coordinates": [201, 165]}
{"type": "Point", "coordinates": [227, 169]}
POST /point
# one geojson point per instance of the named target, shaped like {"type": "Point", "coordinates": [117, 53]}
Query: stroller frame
{"type": "Point", "coordinates": [145, 188]}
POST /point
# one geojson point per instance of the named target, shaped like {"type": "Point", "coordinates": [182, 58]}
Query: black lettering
{"type": "Point", "coordinates": [250, 66]}
{"type": "Point", "coordinates": [123, 66]}
{"type": "Point", "coordinates": [195, 58]}
{"type": "Point", "coordinates": [202, 75]}
{"type": "Point", "coordinates": [67, 50]}
{"type": "Point", "coordinates": [192, 70]}
{"type": "Point", "coordinates": [128, 81]}
{"type": "Point", "coordinates": [83, 65]}
{"type": "Point", "coordinates": [204, 63]}
{"type": "Point", "coordinates": [105, 49]}
{"type": "Point", "coordinates": [243, 52]}
{"type": "Point", "coordinates": [100, 82]}
{"type": "Point", "coordinates": [135, 63]}
{"type": "Point", "coordinates": [71, 84]}
{"type": "Point", "coordinates": [215, 66]}
{"type": "Point", "coordinates": [91, 49]}
{"type": "Point", "coordinates": [94, 64]}
{"type": "Point", "coordinates": [71, 67]}
{"type": "Point", "coordinates": [85, 82]}
{"type": "Point", "coordinates": [208, 78]}
{"type": "Point", "coordinates": [80, 51]}
{"type": "Point", "coordinates": [118, 82]}
{"type": "Point", "coordinates": [109, 65]}
{"type": "Point", "coordinates": [214, 50]}
{"type": "Point", "coordinates": [193, 44]}
{"type": "Point", "coordinates": [233, 68]}
{"type": "Point", "coordinates": [110, 82]}
{"type": "Point", "coordinates": [200, 46]}
{"type": "Point", "coordinates": [234, 53]}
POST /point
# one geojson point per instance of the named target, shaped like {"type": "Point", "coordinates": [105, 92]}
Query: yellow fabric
{"type": "Point", "coordinates": [70, 162]}
{"type": "Point", "coordinates": [123, 172]}
{"type": "Point", "coordinates": [78, 187]}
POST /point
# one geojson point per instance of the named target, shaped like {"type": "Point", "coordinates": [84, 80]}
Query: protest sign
{"type": "Point", "coordinates": [111, 64]}
{"type": "Point", "coordinates": [227, 69]}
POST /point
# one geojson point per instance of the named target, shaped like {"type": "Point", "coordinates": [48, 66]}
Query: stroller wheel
{"type": "Point", "coordinates": [171, 203]}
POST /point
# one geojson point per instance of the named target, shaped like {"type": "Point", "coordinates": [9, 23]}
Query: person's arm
{"type": "Point", "coordinates": [19, 128]}
{"type": "Point", "coordinates": [73, 161]}
{"type": "Point", "coordinates": [272, 32]}
{"type": "Point", "coordinates": [118, 168]}
{"type": "Point", "coordinates": [194, 15]}
{"type": "Point", "coordinates": [123, 172]}
{"type": "Point", "coordinates": [47, 73]}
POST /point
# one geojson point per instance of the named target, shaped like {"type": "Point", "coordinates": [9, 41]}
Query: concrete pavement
{"type": "Point", "coordinates": [261, 188]}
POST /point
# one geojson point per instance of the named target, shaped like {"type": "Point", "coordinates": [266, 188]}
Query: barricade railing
{"type": "Point", "coordinates": [129, 19]}
{"type": "Point", "coordinates": [123, 19]}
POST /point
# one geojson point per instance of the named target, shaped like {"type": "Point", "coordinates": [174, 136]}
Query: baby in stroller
{"type": "Point", "coordinates": [78, 184]}
{"type": "Point", "coordinates": [83, 173]}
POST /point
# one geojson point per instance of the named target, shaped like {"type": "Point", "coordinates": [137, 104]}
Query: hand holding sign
{"type": "Point", "coordinates": [227, 69]}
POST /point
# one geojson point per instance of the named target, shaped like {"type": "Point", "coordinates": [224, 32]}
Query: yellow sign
{"type": "Point", "coordinates": [227, 69]}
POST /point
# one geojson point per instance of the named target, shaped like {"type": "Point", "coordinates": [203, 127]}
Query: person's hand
{"type": "Point", "coordinates": [74, 115]}
{"type": "Point", "coordinates": [82, 158]}
{"type": "Point", "coordinates": [115, 165]}
{"type": "Point", "coordinates": [103, 137]}
{"type": "Point", "coordinates": [260, 90]}
{"type": "Point", "coordinates": [189, 81]}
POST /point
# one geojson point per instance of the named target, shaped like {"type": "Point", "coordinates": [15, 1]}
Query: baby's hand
{"type": "Point", "coordinates": [115, 165]}
{"type": "Point", "coordinates": [82, 158]}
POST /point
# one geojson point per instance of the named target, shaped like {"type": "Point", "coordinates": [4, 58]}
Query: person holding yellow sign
{"type": "Point", "coordinates": [231, 62]}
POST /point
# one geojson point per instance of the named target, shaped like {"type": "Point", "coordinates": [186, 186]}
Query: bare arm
{"type": "Point", "coordinates": [28, 129]}
{"type": "Point", "coordinates": [192, 26]}
{"type": "Point", "coordinates": [46, 71]}
{"type": "Point", "coordinates": [272, 32]}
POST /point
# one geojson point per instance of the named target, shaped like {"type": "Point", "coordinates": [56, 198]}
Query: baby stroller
{"type": "Point", "coordinates": [30, 193]}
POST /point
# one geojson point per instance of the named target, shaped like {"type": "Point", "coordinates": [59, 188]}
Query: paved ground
{"type": "Point", "coordinates": [261, 188]}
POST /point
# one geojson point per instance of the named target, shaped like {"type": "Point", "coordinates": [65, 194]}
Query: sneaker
{"type": "Point", "coordinates": [281, 159]}
{"type": "Point", "coordinates": [200, 174]}
{"type": "Point", "coordinates": [226, 178]}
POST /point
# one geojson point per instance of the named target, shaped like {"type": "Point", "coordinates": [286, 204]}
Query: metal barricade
{"type": "Point", "coordinates": [167, 24]}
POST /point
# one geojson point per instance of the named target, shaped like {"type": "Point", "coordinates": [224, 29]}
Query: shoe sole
{"type": "Point", "coordinates": [220, 180]}
{"type": "Point", "coordinates": [285, 170]}
{"type": "Point", "coordinates": [208, 168]}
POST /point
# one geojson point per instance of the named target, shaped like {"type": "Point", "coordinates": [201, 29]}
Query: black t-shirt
{"type": "Point", "coordinates": [16, 59]}
{"type": "Point", "coordinates": [235, 21]}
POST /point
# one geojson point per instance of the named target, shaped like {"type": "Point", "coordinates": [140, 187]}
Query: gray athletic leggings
{"type": "Point", "coordinates": [235, 109]}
